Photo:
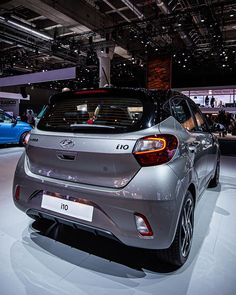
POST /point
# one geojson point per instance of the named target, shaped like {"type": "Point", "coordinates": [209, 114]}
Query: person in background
{"type": "Point", "coordinates": [207, 101]}
{"type": "Point", "coordinates": [23, 117]}
{"type": "Point", "coordinates": [212, 101]}
{"type": "Point", "coordinates": [210, 119]}
{"type": "Point", "coordinates": [233, 126]}
{"type": "Point", "coordinates": [230, 122]}
{"type": "Point", "coordinates": [221, 119]}
{"type": "Point", "coordinates": [220, 105]}
{"type": "Point", "coordinates": [30, 118]}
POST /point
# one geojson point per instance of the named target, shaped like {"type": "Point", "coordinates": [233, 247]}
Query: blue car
{"type": "Point", "coordinates": [12, 130]}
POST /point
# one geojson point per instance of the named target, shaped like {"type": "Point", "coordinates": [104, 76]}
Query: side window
{"type": "Point", "coordinates": [4, 118]}
{"type": "Point", "coordinates": [183, 114]}
{"type": "Point", "coordinates": [201, 121]}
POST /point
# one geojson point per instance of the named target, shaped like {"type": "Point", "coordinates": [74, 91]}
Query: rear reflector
{"type": "Point", "coordinates": [155, 149]}
{"type": "Point", "coordinates": [17, 192]}
{"type": "Point", "coordinates": [142, 225]}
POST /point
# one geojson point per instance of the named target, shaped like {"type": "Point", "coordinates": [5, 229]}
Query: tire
{"type": "Point", "coordinates": [216, 179]}
{"type": "Point", "coordinates": [22, 139]}
{"type": "Point", "coordinates": [178, 252]}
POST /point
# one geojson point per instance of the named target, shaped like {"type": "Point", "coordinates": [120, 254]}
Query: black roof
{"type": "Point", "coordinates": [160, 95]}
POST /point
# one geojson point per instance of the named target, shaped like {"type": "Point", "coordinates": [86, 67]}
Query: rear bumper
{"type": "Point", "coordinates": [114, 209]}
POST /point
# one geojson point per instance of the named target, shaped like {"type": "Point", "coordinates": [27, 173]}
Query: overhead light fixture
{"type": "Point", "coordinates": [27, 29]}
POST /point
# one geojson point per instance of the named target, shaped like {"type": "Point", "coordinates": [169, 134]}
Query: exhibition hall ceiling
{"type": "Point", "coordinates": [49, 34]}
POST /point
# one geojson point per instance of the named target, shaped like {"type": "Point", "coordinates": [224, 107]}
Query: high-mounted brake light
{"type": "Point", "coordinates": [155, 149]}
{"type": "Point", "coordinates": [91, 91]}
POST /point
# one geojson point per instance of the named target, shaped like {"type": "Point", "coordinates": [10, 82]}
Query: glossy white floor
{"type": "Point", "coordinates": [32, 263]}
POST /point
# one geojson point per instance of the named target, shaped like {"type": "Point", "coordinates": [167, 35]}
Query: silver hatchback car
{"type": "Point", "coordinates": [129, 164]}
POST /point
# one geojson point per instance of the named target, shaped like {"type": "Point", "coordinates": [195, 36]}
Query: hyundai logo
{"type": "Point", "coordinates": [67, 144]}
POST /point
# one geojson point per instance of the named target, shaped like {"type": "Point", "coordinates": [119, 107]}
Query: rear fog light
{"type": "Point", "coordinates": [143, 225]}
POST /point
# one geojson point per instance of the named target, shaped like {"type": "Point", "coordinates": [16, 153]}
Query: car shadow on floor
{"type": "Point", "coordinates": [99, 246]}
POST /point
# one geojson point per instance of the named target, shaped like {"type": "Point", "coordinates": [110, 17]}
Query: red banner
{"type": "Point", "coordinates": [159, 73]}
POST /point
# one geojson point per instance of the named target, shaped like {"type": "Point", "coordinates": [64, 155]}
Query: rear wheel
{"type": "Point", "coordinates": [179, 250]}
{"type": "Point", "coordinates": [216, 179]}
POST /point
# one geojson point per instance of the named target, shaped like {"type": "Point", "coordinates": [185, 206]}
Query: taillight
{"type": "Point", "coordinates": [155, 149]}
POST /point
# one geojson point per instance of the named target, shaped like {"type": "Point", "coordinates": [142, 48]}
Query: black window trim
{"type": "Point", "coordinates": [189, 102]}
{"type": "Point", "coordinates": [185, 98]}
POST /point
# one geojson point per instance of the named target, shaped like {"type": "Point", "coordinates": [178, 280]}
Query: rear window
{"type": "Point", "coordinates": [93, 114]}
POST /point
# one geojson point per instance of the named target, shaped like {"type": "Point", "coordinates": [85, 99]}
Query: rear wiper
{"type": "Point", "coordinates": [90, 126]}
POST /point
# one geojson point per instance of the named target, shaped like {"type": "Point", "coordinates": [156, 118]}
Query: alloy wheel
{"type": "Point", "coordinates": [187, 227]}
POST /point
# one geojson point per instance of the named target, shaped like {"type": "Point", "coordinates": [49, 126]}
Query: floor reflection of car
{"type": "Point", "coordinates": [133, 172]}
{"type": "Point", "coordinates": [12, 131]}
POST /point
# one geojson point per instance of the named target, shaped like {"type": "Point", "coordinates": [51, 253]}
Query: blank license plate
{"type": "Point", "coordinates": [69, 208]}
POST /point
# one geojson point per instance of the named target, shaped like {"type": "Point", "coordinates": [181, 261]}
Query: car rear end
{"type": "Point", "coordinates": [97, 160]}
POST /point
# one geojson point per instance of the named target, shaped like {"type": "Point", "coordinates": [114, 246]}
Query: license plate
{"type": "Point", "coordinates": [66, 207]}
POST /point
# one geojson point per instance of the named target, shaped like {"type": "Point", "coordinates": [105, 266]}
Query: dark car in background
{"type": "Point", "coordinates": [129, 164]}
{"type": "Point", "coordinates": [12, 131]}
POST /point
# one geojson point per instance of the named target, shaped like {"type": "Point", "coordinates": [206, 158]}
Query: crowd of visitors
{"type": "Point", "coordinates": [210, 102]}
{"type": "Point", "coordinates": [28, 117]}
{"type": "Point", "coordinates": [225, 119]}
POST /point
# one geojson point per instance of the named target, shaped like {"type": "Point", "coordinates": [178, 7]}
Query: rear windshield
{"type": "Point", "coordinates": [93, 114]}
